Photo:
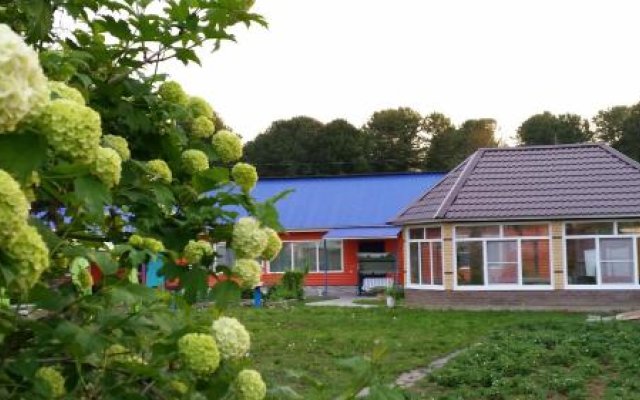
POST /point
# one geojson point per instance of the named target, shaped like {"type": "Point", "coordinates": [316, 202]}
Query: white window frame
{"type": "Point", "coordinates": [615, 235]}
{"type": "Point", "coordinates": [501, 238]}
{"type": "Point", "coordinates": [318, 267]}
{"type": "Point", "coordinates": [407, 245]}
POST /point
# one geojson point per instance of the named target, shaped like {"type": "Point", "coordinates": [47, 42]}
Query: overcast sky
{"type": "Point", "coordinates": [465, 58]}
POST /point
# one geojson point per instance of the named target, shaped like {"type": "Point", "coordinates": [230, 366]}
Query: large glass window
{"type": "Point", "coordinates": [425, 256]}
{"type": "Point", "coordinates": [602, 253]}
{"type": "Point", "coordinates": [308, 256]}
{"type": "Point", "coordinates": [503, 255]}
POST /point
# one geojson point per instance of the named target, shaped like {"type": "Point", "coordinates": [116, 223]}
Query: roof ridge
{"type": "Point", "coordinates": [460, 181]}
{"type": "Point", "coordinates": [354, 176]}
{"type": "Point", "coordinates": [541, 146]}
{"type": "Point", "coordinates": [621, 156]}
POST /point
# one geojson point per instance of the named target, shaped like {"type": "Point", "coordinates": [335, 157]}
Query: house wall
{"type": "Point", "coordinates": [557, 297]}
{"type": "Point", "coordinates": [342, 282]}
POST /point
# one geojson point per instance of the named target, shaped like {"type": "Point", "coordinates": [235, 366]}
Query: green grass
{"type": "Point", "coordinates": [557, 360]}
{"type": "Point", "coordinates": [312, 340]}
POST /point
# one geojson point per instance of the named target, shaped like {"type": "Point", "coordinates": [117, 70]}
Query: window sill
{"type": "Point", "coordinates": [424, 287]}
{"type": "Point", "coordinates": [630, 286]}
{"type": "Point", "coordinates": [503, 288]}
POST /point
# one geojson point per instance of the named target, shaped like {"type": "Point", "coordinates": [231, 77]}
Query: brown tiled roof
{"type": "Point", "coordinates": [533, 182]}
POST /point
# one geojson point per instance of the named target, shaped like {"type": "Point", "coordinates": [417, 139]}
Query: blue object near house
{"type": "Point", "coordinates": [154, 279]}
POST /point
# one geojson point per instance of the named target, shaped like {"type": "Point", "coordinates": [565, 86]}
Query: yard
{"type": "Point", "coordinates": [511, 354]}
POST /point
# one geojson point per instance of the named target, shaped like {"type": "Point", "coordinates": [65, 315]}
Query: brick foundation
{"type": "Point", "coordinates": [572, 300]}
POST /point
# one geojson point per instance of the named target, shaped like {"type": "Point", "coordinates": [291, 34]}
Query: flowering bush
{"type": "Point", "coordinates": [14, 207]}
{"type": "Point", "coordinates": [52, 382]}
{"type": "Point", "coordinates": [159, 170]}
{"type": "Point", "coordinates": [202, 127]}
{"type": "Point", "coordinates": [194, 251]}
{"type": "Point", "coordinates": [107, 166]}
{"type": "Point", "coordinates": [172, 92]}
{"type": "Point", "coordinates": [23, 87]}
{"type": "Point", "coordinates": [200, 108]}
{"type": "Point", "coordinates": [64, 91]}
{"type": "Point", "coordinates": [248, 271]}
{"type": "Point", "coordinates": [274, 245]}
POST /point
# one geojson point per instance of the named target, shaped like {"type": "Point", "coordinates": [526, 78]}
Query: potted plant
{"type": "Point", "coordinates": [392, 294]}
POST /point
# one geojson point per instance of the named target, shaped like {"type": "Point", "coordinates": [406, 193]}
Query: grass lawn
{"type": "Point", "coordinates": [313, 339]}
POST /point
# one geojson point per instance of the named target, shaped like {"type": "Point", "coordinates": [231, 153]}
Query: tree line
{"type": "Point", "coordinates": [401, 140]}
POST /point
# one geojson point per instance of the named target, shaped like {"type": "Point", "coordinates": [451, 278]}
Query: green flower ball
{"type": "Point", "coordinates": [227, 146]}
{"type": "Point", "coordinates": [245, 175]}
{"type": "Point", "coordinates": [52, 381]}
{"type": "Point", "coordinates": [248, 239]}
{"type": "Point", "coordinates": [194, 161]}
{"type": "Point", "coordinates": [72, 130]}
{"type": "Point", "coordinates": [159, 170]}
{"type": "Point", "coordinates": [199, 353]}
{"type": "Point", "coordinates": [119, 144]}
{"type": "Point", "coordinates": [23, 87]}
{"type": "Point", "coordinates": [202, 127]}
{"type": "Point", "coordinates": [232, 338]}
{"type": "Point", "coordinates": [29, 254]}
{"type": "Point", "coordinates": [14, 207]}
{"type": "Point", "coordinates": [107, 167]}
{"type": "Point", "coordinates": [249, 385]}
{"type": "Point", "coordinates": [199, 107]}
{"type": "Point", "coordinates": [248, 271]}
{"type": "Point", "coordinates": [194, 251]}
{"type": "Point", "coordinates": [172, 92]}
{"type": "Point", "coordinates": [64, 91]}
{"type": "Point", "coordinates": [274, 245]}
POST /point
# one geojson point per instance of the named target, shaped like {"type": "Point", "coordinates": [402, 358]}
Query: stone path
{"type": "Point", "coordinates": [409, 378]}
{"type": "Point", "coordinates": [341, 302]}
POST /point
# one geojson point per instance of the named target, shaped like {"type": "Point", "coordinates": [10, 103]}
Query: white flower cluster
{"type": "Point", "coordinates": [23, 87]}
{"type": "Point", "coordinates": [232, 338]}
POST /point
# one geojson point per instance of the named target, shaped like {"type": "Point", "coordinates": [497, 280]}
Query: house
{"type": "Point", "coordinates": [336, 228]}
{"type": "Point", "coordinates": [533, 227]}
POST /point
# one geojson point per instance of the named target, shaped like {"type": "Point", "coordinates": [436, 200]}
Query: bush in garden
{"type": "Point", "coordinates": [105, 166]}
{"type": "Point", "coordinates": [291, 286]}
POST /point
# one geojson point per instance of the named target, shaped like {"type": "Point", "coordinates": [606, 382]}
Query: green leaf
{"type": "Point", "coordinates": [93, 194]}
{"type": "Point", "coordinates": [186, 55]}
{"type": "Point", "coordinates": [22, 153]}
{"type": "Point", "coordinates": [225, 293]}
{"type": "Point", "coordinates": [105, 262]}
{"type": "Point", "coordinates": [210, 179]}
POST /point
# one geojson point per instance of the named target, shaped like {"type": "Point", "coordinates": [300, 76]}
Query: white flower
{"type": "Point", "coordinates": [232, 337]}
{"type": "Point", "coordinates": [249, 240]}
{"type": "Point", "coordinates": [23, 86]}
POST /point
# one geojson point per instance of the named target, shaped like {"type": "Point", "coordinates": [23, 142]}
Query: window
{"type": "Point", "coordinates": [425, 256]}
{"type": "Point", "coordinates": [602, 253]}
{"type": "Point", "coordinates": [308, 256]}
{"type": "Point", "coordinates": [224, 255]}
{"type": "Point", "coordinates": [503, 255]}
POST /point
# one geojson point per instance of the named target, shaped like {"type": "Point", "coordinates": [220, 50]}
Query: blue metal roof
{"type": "Point", "coordinates": [319, 203]}
{"type": "Point", "coordinates": [378, 232]}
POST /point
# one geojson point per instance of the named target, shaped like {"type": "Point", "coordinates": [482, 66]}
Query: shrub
{"type": "Point", "coordinates": [290, 287]}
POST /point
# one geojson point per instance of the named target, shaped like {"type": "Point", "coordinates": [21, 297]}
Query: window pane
{"type": "Point", "coordinates": [581, 261]}
{"type": "Point", "coordinates": [425, 253]}
{"type": "Point", "coordinates": [469, 260]}
{"type": "Point", "coordinates": [477, 231]}
{"type": "Point", "coordinates": [616, 260]}
{"type": "Point", "coordinates": [416, 233]}
{"type": "Point", "coordinates": [616, 249]}
{"type": "Point", "coordinates": [526, 230]}
{"type": "Point", "coordinates": [616, 272]}
{"type": "Point", "coordinates": [536, 269]}
{"type": "Point", "coordinates": [502, 262]}
{"type": "Point", "coordinates": [334, 252]}
{"type": "Point", "coordinates": [629, 227]}
{"type": "Point", "coordinates": [437, 262]}
{"type": "Point", "coordinates": [433, 233]}
{"type": "Point", "coordinates": [283, 261]}
{"type": "Point", "coordinates": [224, 254]}
{"type": "Point", "coordinates": [589, 228]}
{"type": "Point", "coordinates": [304, 256]}
{"type": "Point", "coordinates": [414, 263]}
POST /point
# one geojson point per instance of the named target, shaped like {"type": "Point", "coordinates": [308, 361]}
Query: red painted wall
{"type": "Point", "coordinates": [349, 275]}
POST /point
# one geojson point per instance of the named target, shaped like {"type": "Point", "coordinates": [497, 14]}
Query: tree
{"type": "Point", "coordinates": [620, 127]}
{"type": "Point", "coordinates": [396, 138]}
{"type": "Point", "coordinates": [340, 148]}
{"type": "Point", "coordinates": [547, 128]}
{"type": "Point", "coordinates": [285, 148]}
{"type": "Point", "coordinates": [449, 146]}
